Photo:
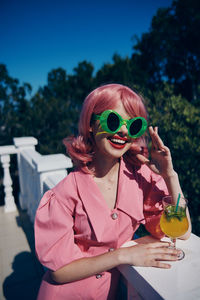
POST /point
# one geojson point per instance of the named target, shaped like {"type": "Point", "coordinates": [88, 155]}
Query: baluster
{"type": "Point", "coordinates": [7, 182]}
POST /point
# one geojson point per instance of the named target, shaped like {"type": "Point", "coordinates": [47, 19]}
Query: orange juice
{"type": "Point", "coordinates": [174, 223]}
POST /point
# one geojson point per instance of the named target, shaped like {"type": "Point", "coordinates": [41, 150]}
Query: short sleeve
{"type": "Point", "coordinates": [54, 235]}
{"type": "Point", "coordinates": [153, 207]}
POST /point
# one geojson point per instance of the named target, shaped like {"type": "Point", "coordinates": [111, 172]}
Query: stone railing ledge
{"type": "Point", "coordinates": [52, 162]}
{"type": "Point", "coordinates": [24, 142]}
{"type": "Point", "coordinates": [6, 150]}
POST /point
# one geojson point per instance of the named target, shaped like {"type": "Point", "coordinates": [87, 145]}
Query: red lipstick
{"type": "Point", "coordinates": [115, 144]}
{"type": "Point", "coordinates": [120, 138]}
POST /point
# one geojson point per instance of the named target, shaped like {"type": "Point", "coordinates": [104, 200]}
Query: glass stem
{"type": "Point", "coordinates": [173, 243]}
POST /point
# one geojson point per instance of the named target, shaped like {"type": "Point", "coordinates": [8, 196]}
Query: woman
{"type": "Point", "coordinates": [82, 223]}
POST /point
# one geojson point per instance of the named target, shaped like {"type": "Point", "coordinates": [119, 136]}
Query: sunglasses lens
{"type": "Point", "coordinates": [135, 127]}
{"type": "Point", "coordinates": [113, 122]}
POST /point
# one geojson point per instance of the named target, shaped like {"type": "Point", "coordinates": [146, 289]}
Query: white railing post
{"type": "Point", "coordinates": [24, 144]}
{"type": "Point", "coordinates": [7, 182]}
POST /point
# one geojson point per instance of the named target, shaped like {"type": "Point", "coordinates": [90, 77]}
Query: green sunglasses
{"type": "Point", "coordinates": [111, 122]}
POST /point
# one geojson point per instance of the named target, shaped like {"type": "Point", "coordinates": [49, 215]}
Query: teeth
{"type": "Point", "coordinates": [118, 141]}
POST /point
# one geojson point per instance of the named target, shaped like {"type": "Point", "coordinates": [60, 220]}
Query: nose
{"type": "Point", "coordinates": [123, 130]}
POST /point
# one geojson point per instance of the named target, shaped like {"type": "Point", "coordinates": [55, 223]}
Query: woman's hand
{"type": "Point", "coordinates": [150, 255]}
{"type": "Point", "coordinates": [161, 161]}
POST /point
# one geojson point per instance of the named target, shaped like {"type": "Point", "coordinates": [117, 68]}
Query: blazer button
{"type": "Point", "coordinates": [111, 249]}
{"type": "Point", "coordinates": [114, 216]}
{"type": "Point", "coordinates": [98, 276]}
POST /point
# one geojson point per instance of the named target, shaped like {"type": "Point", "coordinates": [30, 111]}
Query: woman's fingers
{"type": "Point", "coordinates": [158, 244]}
{"type": "Point", "coordinates": [158, 264]}
{"type": "Point", "coordinates": [157, 143]}
{"type": "Point", "coordinates": [162, 248]}
{"type": "Point", "coordinates": [158, 259]}
{"type": "Point", "coordinates": [153, 255]}
{"type": "Point", "coordinates": [166, 257]}
{"type": "Point", "coordinates": [142, 158]}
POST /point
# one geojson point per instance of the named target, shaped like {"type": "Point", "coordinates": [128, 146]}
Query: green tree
{"type": "Point", "coordinates": [179, 126]}
{"type": "Point", "coordinates": [14, 107]}
{"type": "Point", "coordinates": [80, 83]}
{"type": "Point", "coordinates": [171, 49]}
{"type": "Point", "coordinates": [56, 107]}
{"type": "Point", "coordinates": [50, 113]}
{"type": "Point", "coordinates": [14, 119]}
{"type": "Point", "coordinates": [120, 71]}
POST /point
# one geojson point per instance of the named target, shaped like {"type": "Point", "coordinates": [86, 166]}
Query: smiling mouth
{"type": "Point", "coordinates": [117, 142]}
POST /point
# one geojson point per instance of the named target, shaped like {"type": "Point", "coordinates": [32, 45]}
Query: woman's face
{"type": "Point", "coordinates": [109, 145]}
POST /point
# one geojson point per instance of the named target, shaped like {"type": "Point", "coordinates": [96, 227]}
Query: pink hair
{"type": "Point", "coordinates": [105, 97]}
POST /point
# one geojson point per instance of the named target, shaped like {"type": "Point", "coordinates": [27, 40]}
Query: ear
{"type": "Point", "coordinates": [91, 124]}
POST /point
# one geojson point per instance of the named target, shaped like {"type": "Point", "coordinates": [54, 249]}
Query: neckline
{"type": "Point", "coordinates": [103, 200]}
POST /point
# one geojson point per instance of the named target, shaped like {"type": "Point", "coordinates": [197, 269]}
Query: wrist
{"type": "Point", "coordinates": [121, 256]}
{"type": "Point", "coordinates": [170, 175]}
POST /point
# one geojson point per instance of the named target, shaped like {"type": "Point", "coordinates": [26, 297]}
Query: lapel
{"type": "Point", "coordinates": [93, 202]}
{"type": "Point", "coordinates": [128, 199]}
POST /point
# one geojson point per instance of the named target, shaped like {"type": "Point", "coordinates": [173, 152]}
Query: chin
{"type": "Point", "coordinates": [115, 152]}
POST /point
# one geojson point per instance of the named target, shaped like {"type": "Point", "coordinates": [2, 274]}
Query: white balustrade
{"type": "Point", "coordinates": [5, 152]}
{"type": "Point", "coordinates": [37, 173]}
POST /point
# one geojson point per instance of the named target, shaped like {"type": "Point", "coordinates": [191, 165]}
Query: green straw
{"type": "Point", "coordinates": [177, 203]}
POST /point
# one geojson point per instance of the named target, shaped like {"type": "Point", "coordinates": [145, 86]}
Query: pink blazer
{"type": "Point", "coordinates": [74, 221]}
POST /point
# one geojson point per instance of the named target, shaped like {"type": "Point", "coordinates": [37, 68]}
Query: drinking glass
{"type": "Point", "coordinates": [174, 222]}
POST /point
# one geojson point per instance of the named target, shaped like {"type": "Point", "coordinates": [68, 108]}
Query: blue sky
{"type": "Point", "coordinates": [38, 36]}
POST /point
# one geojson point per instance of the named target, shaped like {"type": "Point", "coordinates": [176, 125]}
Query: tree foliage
{"type": "Point", "coordinates": [14, 107]}
{"type": "Point", "coordinates": [164, 67]}
{"type": "Point", "coordinates": [178, 121]}
{"type": "Point", "coordinates": [171, 49]}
